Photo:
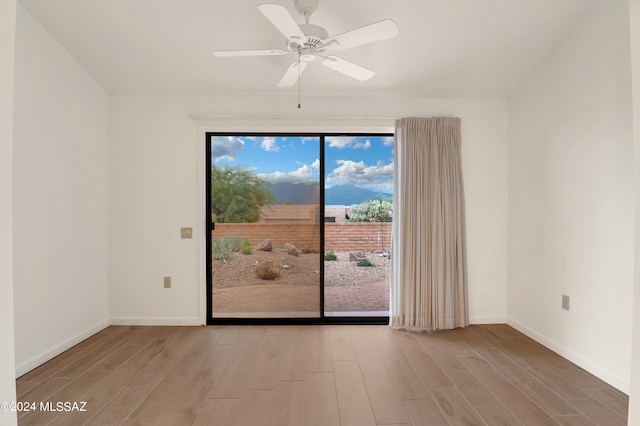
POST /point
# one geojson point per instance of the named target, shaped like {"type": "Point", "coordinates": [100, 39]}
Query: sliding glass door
{"type": "Point", "coordinates": [300, 226]}
{"type": "Point", "coordinates": [265, 215]}
{"type": "Point", "coordinates": [358, 200]}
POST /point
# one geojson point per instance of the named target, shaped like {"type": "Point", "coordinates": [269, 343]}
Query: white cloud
{"type": "Point", "coordinates": [225, 147]}
{"type": "Point", "coordinates": [388, 141]}
{"type": "Point", "coordinates": [316, 164]}
{"type": "Point", "coordinates": [359, 173]}
{"type": "Point", "coordinates": [269, 144]}
{"type": "Point", "coordinates": [342, 142]}
{"type": "Point", "coordinates": [302, 174]}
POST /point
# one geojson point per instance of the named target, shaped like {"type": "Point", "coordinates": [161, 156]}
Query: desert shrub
{"type": "Point", "coordinates": [371, 211]}
{"type": "Point", "coordinates": [364, 262]}
{"type": "Point", "coordinates": [224, 246]}
{"type": "Point", "coordinates": [330, 255]}
{"type": "Point", "coordinates": [246, 247]}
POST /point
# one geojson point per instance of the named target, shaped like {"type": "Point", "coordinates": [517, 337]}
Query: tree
{"type": "Point", "coordinates": [237, 195]}
{"type": "Point", "coordinates": [371, 211]}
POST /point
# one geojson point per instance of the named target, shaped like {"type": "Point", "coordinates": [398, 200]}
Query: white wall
{"type": "Point", "coordinates": [60, 199]}
{"type": "Point", "coordinates": [157, 186]}
{"type": "Point", "coordinates": [634, 395]}
{"type": "Point", "coordinates": [571, 197]}
{"type": "Point", "coordinates": [7, 360]}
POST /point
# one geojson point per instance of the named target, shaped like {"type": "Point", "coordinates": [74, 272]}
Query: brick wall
{"type": "Point", "coordinates": [357, 236]}
{"type": "Point", "coordinates": [354, 236]}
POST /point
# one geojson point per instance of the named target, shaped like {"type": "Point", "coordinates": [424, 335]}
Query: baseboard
{"type": "Point", "coordinates": [56, 350]}
{"type": "Point", "coordinates": [487, 320]}
{"type": "Point", "coordinates": [622, 384]}
{"type": "Point", "coordinates": [156, 321]}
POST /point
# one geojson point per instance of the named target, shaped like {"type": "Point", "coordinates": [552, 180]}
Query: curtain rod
{"type": "Point", "coordinates": [288, 117]}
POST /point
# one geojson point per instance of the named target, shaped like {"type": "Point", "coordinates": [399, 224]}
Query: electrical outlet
{"type": "Point", "coordinates": [566, 302]}
{"type": "Point", "coordinates": [167, 282]}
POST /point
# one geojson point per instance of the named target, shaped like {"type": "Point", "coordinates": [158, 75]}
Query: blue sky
{"type": "Point", "coordinates": [365, 161]}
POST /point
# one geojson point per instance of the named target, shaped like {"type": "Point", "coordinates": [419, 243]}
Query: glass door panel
{"type": "Point", "coordinates": [358, 196]}
{"type": "Point", "coordinates": [266, 231]}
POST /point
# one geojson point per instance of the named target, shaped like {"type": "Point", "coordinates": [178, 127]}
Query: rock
{"type": "Point", "coordinates": [267, 271]}
{"type": "Point", "coordinates": [356, 256]}
{"type": "Point", "coordinates": [265, 246]}
{"type": "Point", "coordinates": [294, 252]}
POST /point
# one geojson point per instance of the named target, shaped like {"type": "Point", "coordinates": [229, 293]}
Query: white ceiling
{"type": "Point", "coordinates": [446, 48]}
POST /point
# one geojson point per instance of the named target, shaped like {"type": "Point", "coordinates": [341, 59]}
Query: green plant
{"type": "Point", "coordinates": [246, 247]}
{"type": "Point", "coordinates": [371, 211]}
{"type": "Point", "coordinates": [330, 255]}
{"type": "Point", "coordinates": [364, 262]}
{"type": "Point", "coordinates": [237, 195]}
{"type": "Point", "coordinates": [224, 246]}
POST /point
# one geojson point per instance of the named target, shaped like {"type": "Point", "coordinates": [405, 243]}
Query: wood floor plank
{"type": "Point", "coordinates": [544, 397]}
{"type": "Point", "coordinates": [456, 342]}
{"type": "Point", "coordinates": [51, 367]}
{"type": "Point", "coordinates": [171, 344]}
{"type": "Point", "coordinates": [519, 404]}
{"type": "Point", "coordinates": [238, 372]}
{"type": "Point", "coordinates": [404, 376]}
{"type": "Point", "coordinates": [575, 420]}
{"type": "Point", "coordinates": [427, 369]}
{"type": "Point", "coordinates": [440, 353]}
{"type": "Point", "coordinates": [612, 398]}
{"type": "Point", "coordinates": [385, 401]}
{"type": "Point", "coordinates": [264, 371]}
{"type": "Point", "coordinates": [92, 357]}
{"type": "Point", "coordinates": [487, 374]}
{"type": "Point", "coordinates": [23, 387]}
{"type": "Point", "coordinates": [597, 412]}
{"type": "Point", "coordinates": [185, 406]}
{"type": "Point", "coordinates": [216, 411]}
{"type": "Point", "coordinates": [539, 354]}
{"type": "Point", "coordinates": [292, 359]}
{"type": "Point", "coordinates": [321, 402]}
{"type": "Point", "coordinates": [342, 348]}
{"type": "Point", "coordinates": [363, 338]}
{"type": "Point", "coordinates": [353, 400]}
{"type": "Point", "coordinates": [43, 392]}
{"type": "Point", "coordinates": [253, 408]}
{"type": "Point", "coordinates": [527, 355]}
{"type": "Point", "coordinates": [128, 349]}
{"type": "Point", "coordinates": [425, 413]}
{"type": "Point", "coordinates": [490, 408]}
{"type": "Point", "coordinates": [181, 375]}
{"type": "Point", "coordinates": [455, 407]}
{"type": "Point", "coordinates": [318, 350]}
{"type": "Point", "coordinates": [288, 404]}
{"type": "Point", "coordinates": [73, 392]}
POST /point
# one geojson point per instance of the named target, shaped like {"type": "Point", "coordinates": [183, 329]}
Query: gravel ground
{"type": "Point", "coordinates": [238, 270]}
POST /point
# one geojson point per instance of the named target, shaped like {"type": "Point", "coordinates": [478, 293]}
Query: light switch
{"type": "Point", "coordinates": [186, 233]}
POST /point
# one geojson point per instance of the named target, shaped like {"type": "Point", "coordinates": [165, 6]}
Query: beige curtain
{"type": "Point", "coordinates": [429, 266]}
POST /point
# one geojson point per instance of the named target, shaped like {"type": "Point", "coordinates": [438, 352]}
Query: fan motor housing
{"type": "Point", "coordinates": [316, 36]}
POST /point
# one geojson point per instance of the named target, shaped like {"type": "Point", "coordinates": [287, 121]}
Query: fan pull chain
{"type": "Point", "coordinates": [299, 106]}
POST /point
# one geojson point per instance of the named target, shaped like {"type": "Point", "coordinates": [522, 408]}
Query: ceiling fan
{"type": "Point", "coordinates": [311, 42]}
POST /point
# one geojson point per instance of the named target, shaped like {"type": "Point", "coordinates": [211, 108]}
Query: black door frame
{"type": "Point", "coordinates": [209, 227]}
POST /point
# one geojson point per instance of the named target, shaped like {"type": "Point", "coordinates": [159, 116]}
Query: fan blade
{"type": "Point", "coordinates": [233, 53]}
{"type": "Point", "coordinates": [292, 74]}
{"type": "Point", "coordinates": [283, 21]}
{"type": "Point", "coordinates": [348, 68]}
{"type": "Point", "coordinates": [381, 30]}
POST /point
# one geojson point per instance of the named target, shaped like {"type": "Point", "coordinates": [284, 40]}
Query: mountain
{"type": "Point", "coordinates": [294, 193]}
{"type": "Point", "coordinates": [348, 194]}
{"type": "Point", "coordinates": [308, 193]}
